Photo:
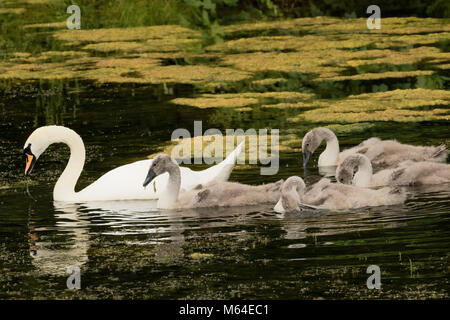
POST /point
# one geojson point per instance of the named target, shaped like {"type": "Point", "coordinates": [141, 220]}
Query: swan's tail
{"type": "Point", "coordinates": [222, 171]}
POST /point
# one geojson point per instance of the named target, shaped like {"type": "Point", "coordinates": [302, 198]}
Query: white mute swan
{"type": "Point", "coordinates": [382, 153]}
{"type": "Point", "coordinates": [333, 196]}
{"type": "Point", "coordinates": [357, 170]}
{"type": "Point", "coordinates": [122, 183]}
{"type": "Point", "coordinates": [214, 194]}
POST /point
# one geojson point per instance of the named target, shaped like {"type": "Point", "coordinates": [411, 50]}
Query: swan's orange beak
{"type": "Point", "coordinates": [29, 163]}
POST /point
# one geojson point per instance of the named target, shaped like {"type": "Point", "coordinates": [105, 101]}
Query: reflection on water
{"type": "Point", "coordinates": [56, 247]}
{"type": "Point", "coordinates": [328, 171]}
{"type": "Point", "coordinates": [220, 248]}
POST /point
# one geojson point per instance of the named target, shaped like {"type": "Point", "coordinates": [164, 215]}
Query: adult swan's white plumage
{"type": "Point", "coordinates": [122, 183]}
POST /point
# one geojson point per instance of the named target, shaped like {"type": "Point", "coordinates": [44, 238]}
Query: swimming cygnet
{"type": "Point", "coordinates": [223, 194]}
{"type": "Point", "coordinates": [356, 169]}
{"type": "Point", "coordinates": [382, 153]}
{"type": "Point", "coordinates": [333, 196]}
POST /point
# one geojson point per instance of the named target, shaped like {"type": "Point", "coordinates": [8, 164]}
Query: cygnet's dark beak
{"type": "Point", "coordinates": [306, 156]}
{"type": "Point", "coordinates": [150, 176]}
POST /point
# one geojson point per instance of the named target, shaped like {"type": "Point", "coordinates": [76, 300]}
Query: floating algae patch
{"type": "Point", "coordinates": [294, 25]}
{"type": "Point", "coordinates": [30, 71]}
{"type": "Point", "coordinates": [155, 45]}
{"type": "Point", "coordinates": [407, 98]}
{"type": "Point", "coordinates": [376, 76]}
{"type": "Point", "coordinates": [327, 50]}
{"type": "Point", "coordinates": [397, 105]}
{"type": "Point", "coordinates": [126, 34]}
{"type": "Point", "coordinates": [164, 74]}
{"type": "Point", "coordinates": [20, 54]}
{"type": "Point", "coordinates": [299, 62]}
{"type": "Point", "coordinates": [330, 25]}
{"type": "Point", "coordinates": [406, 26]}
{"type": "Point", "coordinates": [215, 102]}
{"type": "Point", "coordinates": [48, 56]}
{"type": "Point", "coordinates": [178, 57]}
{"type": "Point", "coordinates": [445, 66]}
{"type": "Point", "coordinates": [279, 95]}
{"type": "Point", "coordinates": [38, 1]}
{"type": "Point", "coordinates": [321, 53]}
{"type": "Point", "coordinates": [49, 65]}
{"type": "Point", "coordinates": [243, 109]}
{"type": "Point", "coordinates": [409, 93]}
{"type": "Point", "coordinates": [150, 70]}
{"type": "Point", "coordinates": [50, 25]}
{"type": "Point", "coordinates": [290, 143]}
{"type": "Point", "coordinates": [396, 99]}
{"type": "Point", "coordinates": [115, 46]}
{"type": "Point", "coordinates": [350, 128]}
{"type": "Point", "coordinates": [412, 40]}
{"type": "Point", "coordinates": [232, 100]}
{"type": "Point", "coordinates": [69, 54]}
{"type": "Point", "coordinates": [127, 63]}
{"type": "Point", "coordinates": [284, 43]}
{"type": "Point", "coordinates": [269, 81]}
{"type": "Point", "coordinates": [394, 115]}
{"type": "Point", "coordinates": [112, 70]}
{"type": "Point", "coordinates": [286, 105]}
{"type": "Point", "coordinates": [332, 64]}
{"type": "Point", "coordinates": [201, 256]}
{"type": "Point", "coordinates": [12, 10]}
{"type": "Point", "coordinates": [392, 57]}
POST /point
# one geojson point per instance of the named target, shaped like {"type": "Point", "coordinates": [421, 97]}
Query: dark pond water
{"type": "Point", "coordinates": [126, 250]}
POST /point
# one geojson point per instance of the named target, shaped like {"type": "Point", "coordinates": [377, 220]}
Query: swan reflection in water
{"type": "Point", "coordinates": [54, 248]}
{"type": "Point", "coordinates": [66, 242]}
{"type": "Point", "coordinates": [325, 227]}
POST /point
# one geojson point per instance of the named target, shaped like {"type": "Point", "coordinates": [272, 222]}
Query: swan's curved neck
{"type": "Point", "coordinates": [363, 176]}
{"type": "Point", "coordinates": [65, 186]}
{"type": "Point", "coordinates": [170, 195]}
{"type": "Point", "coordinates": [330, 155]}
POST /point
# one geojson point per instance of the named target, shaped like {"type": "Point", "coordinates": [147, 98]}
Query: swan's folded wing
{"type": "Point", "coordinates": [125, 182]}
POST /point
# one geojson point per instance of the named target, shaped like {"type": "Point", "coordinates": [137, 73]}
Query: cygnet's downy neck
{"type": "Point", "coordinates": [170, 196]}
{"type": "Point", "coordinates": [291, 192]}
{"type": "Point", "coordinates": [330, 155]}
{"type": "Point", "coordinates": [363, 176]}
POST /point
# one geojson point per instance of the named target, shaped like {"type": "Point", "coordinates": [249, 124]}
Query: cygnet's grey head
{"type": "Point", "coordinates": [291, 192]}
{"type": "Point", "coordinates": [312, 140]}
{"type": "Point", "coordinates": [348, 168]}
{"type": "Point", "coordinates": [161, 164]}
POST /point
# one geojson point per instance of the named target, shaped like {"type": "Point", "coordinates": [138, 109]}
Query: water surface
{"type": "Point", "coordinates": [128, 250]}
